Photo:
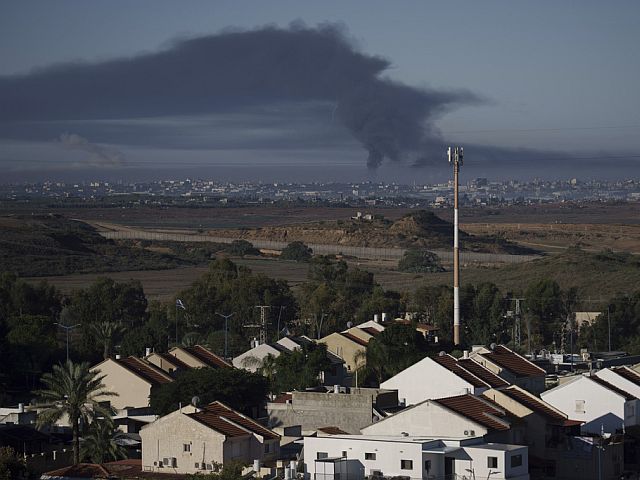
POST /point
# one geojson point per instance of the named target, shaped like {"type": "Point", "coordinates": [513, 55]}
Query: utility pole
{"type": "Point", "coordinates": [282, 307]}
{"type": "Point", "coordinates": [226, 330]}
{"type": "Point", "coordinates": [263, 322]}
{"type": "Point", "coordinates": [456, 155]}
{"type": "Point", "coordinates": [67, 329]}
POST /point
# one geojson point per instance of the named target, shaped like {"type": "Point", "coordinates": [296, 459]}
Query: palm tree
{"type": "Point", "coordinates": [105, 334]}
{"type": "Point", "coordinates": [73, 390]}
{"type": "Point", "coordinates": [100, 445]}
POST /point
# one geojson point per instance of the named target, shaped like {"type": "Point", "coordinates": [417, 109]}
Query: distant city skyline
{"type": "Point", "coordinates": [287, 90]}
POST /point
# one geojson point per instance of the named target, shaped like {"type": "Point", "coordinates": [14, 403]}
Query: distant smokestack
{"type": "Point", "coordinates": [456, 155]}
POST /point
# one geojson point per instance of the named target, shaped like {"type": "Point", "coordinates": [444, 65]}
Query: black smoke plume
{"type": "Point", "coordinates": [239, 69]}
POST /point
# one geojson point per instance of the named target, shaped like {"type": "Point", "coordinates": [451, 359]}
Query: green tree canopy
{"type": "Point", "coordinates": [419, 261]}
{"type": "Point", "coordinates": [297, 251]}
{"type": "Point", "coordinates": [238, 388]}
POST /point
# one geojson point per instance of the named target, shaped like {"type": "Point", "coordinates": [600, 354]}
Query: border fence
{"type": "Point", "coordinates": [371, 253]}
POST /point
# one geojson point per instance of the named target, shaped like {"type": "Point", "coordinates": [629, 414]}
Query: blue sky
{"type": "Point", "coordinates": [556, 77]}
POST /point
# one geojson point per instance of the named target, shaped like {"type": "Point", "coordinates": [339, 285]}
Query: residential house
{"type": "Point", "coordinates": [461, 416]}
{"type": "Point", "coordinates": [348, 346]}
{"type": "Point", "coordinates": [429, 332]}
{"type": "Point", "coordinates": [132, 379]}
{"type": "Point", "coordinates": [199, 357]}
{"type": "Point", "coordinates": [624, 378]}
{"type": "Point", "coordinates": [441, 376]}
{"type": "Point", "coordinates": [200, 440]}
{"type": "Point", "coordinates": [511, 366]}
{"type": "Point", "coordinates": [169, 363]}
{"type": "Point", "coordinates": [377, 456]}
{"type": "Point", "coordinates": [600, 405]}
{"type": "Point", "coordinates": [292, 343]}
{"type": "Point", "coordinates": [253, 359]}
{"type": "Point", "coordinates": [556, 447]}
{"type": "Point", "coordinates": [350, 410]}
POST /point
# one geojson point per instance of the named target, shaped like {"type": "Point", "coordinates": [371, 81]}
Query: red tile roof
{"type": "Point", "coordinates": [207, 357]}
{"type": "Point", "coordinates": [482, 373]}
{"type": "Point", "coordinates": [332, 431]}
{"type": "Point", "coordinates": [510, 360]}
{"type": "Point", "coordinates": [534, 403]}
{"type": "Point", "coordinates": [612, 387]}
{"type": "Point", "coordinates": [121, 469]}
{"type": "Point", "coordinates": [628, 374]}
{"type": "Point", "coordinates": [451, 364]}
{"type": "Point", "coordinates": [145, 370]}
{"type": "Point", "coordinates": [174, 361]}
{"type": "Point", "coordinates": [220, 409]}
{"type": "Point", "coordinates": [355, 339]}
{"type": "Point", "coordinates": [482, 411]}
{"type": "Point", "coordinates": [218, 423]}
{"type": "Point", "coordinates": [371, 331]}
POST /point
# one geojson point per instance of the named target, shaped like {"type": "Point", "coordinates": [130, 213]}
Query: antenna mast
{"type": "Point", "coordinates": [456, 155]}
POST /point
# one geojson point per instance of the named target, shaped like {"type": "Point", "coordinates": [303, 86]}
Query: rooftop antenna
{"type": "Point", "coordinates": [456, 155]}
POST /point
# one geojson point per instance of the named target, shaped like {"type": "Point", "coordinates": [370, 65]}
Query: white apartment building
{"type": "Point", "coordinates": [339, 457]}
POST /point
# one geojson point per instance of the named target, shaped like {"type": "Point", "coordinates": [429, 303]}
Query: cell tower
{"type": "Point", "coordinates": [456, 155]}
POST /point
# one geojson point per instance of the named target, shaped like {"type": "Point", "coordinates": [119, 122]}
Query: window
{"type": "Point", "coordinates": [321, 455]}
{"type": "Point", "coordinates": [406, 464]}
{"type": "Point", "coordinates": [369, 456]}
{"type": "Point", "coordinates": [579, 406]}
{"type": "Point", "coordinates": [186, 447]}
{"type": "Point", "coordinates": [427, 466]}
{"type": "Point", "coordinates": [266, 448]}
{"type": "Point", "coordinates": [516, 461]}
{"type": "Point", "coordinates": [344, 454]}
{"type": "Point", "coordinates": [492, 462]}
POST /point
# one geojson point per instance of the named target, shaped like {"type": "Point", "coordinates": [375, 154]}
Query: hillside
{"type": "Point", "coordinates": [420, 229]}
{"type": "Point", "coordinates": [596, 275]}
{"type": "Point", "coordinates": [53, 245]}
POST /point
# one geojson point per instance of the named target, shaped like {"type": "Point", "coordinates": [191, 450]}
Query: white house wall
{"type": "Point", "coordinates": [424, 380]}
{"type": "Point", "coordinates": [427, 419]}
{"type": "Point", "coordinates": [603, 408]}
{"type": "Point", "coordinates": [251, 360]}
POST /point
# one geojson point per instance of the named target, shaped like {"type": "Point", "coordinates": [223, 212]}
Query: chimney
{"type": "Point", "coordinates": [336, 389]}
{"type": "Point", "coordinates": [117, 356]}
{"type": "Point", "coordinates": [465, 354]}
{"type": "Point", "coordinates": [21, 408]}
{"type": "Point", "coordinates": [384, 317]}
{"type": "Point", "coordinates": [147, 352]}
{"type": "Point", "coordinates": [376, 318]}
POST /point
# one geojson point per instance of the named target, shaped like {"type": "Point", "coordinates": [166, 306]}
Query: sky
{"type": "Point", "coordinates": [332, 90]}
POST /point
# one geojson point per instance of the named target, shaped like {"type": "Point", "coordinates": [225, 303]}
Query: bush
{"type": "Point", "coordinates": [241, 248]}
{"type": "Point", "coordinates": [419, 261]}
{"type": "Point", "coordinates": [297, 251]}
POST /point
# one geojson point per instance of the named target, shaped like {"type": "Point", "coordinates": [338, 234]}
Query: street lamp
{"type": "Point", "coordinates": [67, 328]}
{"type": "Point", "coordinates": [226, 320]}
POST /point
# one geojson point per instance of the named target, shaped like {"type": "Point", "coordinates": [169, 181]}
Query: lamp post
{"type": "Point", "coordinates": [226, 321]}
{"type": "Point", "coordinates": [67, 328]}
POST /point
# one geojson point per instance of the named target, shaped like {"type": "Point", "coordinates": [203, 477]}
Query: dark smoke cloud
{"type": "Point", "coordinates": [238, 70]}
{"type": "Point", "coordinates": [97, 154]}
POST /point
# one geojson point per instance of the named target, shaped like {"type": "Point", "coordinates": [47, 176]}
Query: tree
{"type": "Point", "coordinates": [100, 445]}
{"type": "Point", "coordinates": [74, 391]}
{"type": "Point", "coordinates": [106, 335]}
{"type": "Point", "coordinates": [240, 388]}
{"type": "Point", "coordinates": [300, 368]}
{"type": "Point", "coordinates": [419, 261]}
{"type": "Point", "coordinates": [241, 248]}
{"type": "Point", "coordinates": [544, 309]}
{"type": "Point", "coordinates": [12, 467]}
{"type": "Point", "coordinates": [296, 251]}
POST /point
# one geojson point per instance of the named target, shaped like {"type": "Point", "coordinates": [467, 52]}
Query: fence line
{"type": "Point", "coordinates": [372, 253]}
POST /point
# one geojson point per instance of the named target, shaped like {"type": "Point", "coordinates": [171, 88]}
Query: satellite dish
{"type": "Point", "coordinates": [441, 353]}
{"type": "Point", "coordinates": [349, 324]}
{"type": "Point", "coordinates": [492, 346]}
{"type": "Point", "coordinates": [195, 401]}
